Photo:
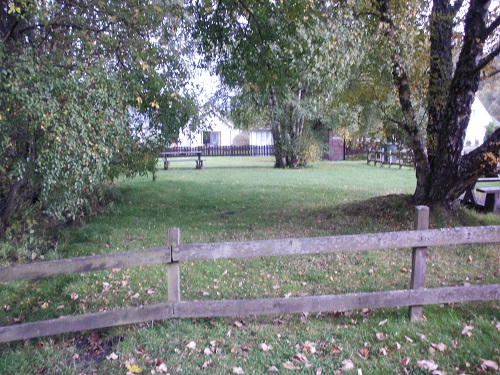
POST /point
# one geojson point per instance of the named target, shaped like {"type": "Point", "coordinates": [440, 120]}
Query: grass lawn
{"type": "Point", "coordinates": [241, 199]}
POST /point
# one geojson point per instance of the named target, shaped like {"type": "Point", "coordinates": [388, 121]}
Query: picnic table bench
{"type": "Point", "coordinates": [492, 194]}
{"type": "Point", "coordinates": [178, 156]}
{"type": "Point", "coordinates": [491, 197]}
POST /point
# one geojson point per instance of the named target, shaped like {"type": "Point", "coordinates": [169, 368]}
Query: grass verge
{"type": "Point", "coordinates": [236, 199]}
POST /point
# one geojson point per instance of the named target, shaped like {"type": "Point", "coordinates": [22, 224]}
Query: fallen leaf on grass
{"type": "Point", "coordinates": [364, 353]}
{"type": "Point", "coordinates": [382, 322]}
{"type": "Point", "coordinates": [162, 368]}
{"type": "Point", "coordinates": [238, 371]}
{"type": "Point", "coordinates": [382, 352]}
{"type": "Point", "coordinates": [381, 336]}
{"type": "Point", "coordinates": [105, 286]}
{"type": "Point", "coordinates": [498, 326]}
{"type": "Point", "coordinates": [336, 350]}
{"type": "Point", "coordinates": [427, 364]}
{"type": "Point", "coordinates": [441, 347]}
{"type": "Point", "coordinates": [264, 347]}
{"type": "Point", "coordinates": [206, 364]}
{"type": "Point", "coordinates": [397, 345]}
{"type": "Point", "coordinates": [309, 347]}
{"type": "Point", "coordinates": [300, 358]}
{"type": "Point", "coordinates": [421, 335]}
{"type": "Point", "coordinates": [347, 365]}
{"type": "Point", "coordinates": [467, 331]}
{"type": "Point", "coordinates": [487, 364]}
{"type": "Point", "coordinates": [140, 351]}
{"type": "Point", "coordinates": [134, 368]}
{"type": "Point", "coordinates": [290, 366]}
{"type": "Point", "coordinates": [238, 324]}
{"type": "Point", "coordinates": [74, 296]}
{"type": "Point", "coordinates": [137, 295]}
{"type": "Point", "coordinates": [112, 356]}
{"type": "Point", "coordinates": [303, 317]}
{"type": "Point", "coordinates": [207, 351]}
{"type": "Point", "coordinates": [272, 369]}
{"type": "Point", "coordinates": [405, 361]}
{"type": "Point", "coordinates": [408, 339]}
{"type": "Point", "coordinates": [191, 345]}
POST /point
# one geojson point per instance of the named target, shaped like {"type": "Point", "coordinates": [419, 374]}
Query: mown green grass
{"type": "Point", "coordinates": [240, 199]}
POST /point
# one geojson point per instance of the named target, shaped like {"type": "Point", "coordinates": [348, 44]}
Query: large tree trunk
{"type": "Point", "coordinates": [411, 128]}
{"type": "Point", "coordinates": [443, 174]}
{"type": "Point", "coordinates": [276, 131]}
{"type": "Point", "coordinates": [449, 176]}
{"type": "Point", "coordinates": [8, 204]}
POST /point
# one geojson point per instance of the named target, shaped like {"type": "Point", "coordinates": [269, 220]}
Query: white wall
{"type": "Point", "coordinates": [215, 124]}
{"type": "Point", "coordinates": [479, 119]}
{"type": "Point", "coordinates": [261, 138]}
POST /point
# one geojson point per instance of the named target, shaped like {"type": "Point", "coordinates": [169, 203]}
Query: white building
{"type": "Point", "coordinates": [221, 132]}
{"type": "Point", "coordinates": [479, 120]}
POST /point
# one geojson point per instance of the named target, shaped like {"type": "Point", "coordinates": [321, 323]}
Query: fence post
{"type": "Point", "coordinates": [418, 266]}
{"type": "Point", "coordinates": [173, 269]}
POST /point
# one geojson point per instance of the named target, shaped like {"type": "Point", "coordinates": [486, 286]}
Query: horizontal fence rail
{"type": "Point", "coordinates": [263, 306]}
{"type": "Point", "coordinates": [266, 248]}
{"type": "Point", "coordinates": [174, 253]}
{"type": "Point", "coordinates": [100, 262]}
{"type": "Point", "coordinates": [346, 243]}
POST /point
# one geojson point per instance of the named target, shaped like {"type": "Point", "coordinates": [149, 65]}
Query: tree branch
{"type": "Point", "coordinates": [456, 7]}
{"type": "Point", "coordinates": [494, 73]}
{"type": "Point", "coordinates": [480, 160]}
{"type": "Point", "coordinates": [487, 59]}
{"type": "Point", "coordinates": [489, 30]}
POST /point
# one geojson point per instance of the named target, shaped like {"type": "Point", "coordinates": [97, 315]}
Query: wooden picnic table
{"type": "Point", "coordinates": [169, 157]}
{"type": "Point", "coordinates": [492, 194]}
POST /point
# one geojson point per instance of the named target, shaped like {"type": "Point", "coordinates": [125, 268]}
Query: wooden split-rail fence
{"type": "Point", "coordinates": [174, 253]}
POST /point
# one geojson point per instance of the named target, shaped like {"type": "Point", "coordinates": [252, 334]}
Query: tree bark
{"type": "Point", "coordinates": [440, 71]}
{"type": "Point", "coordinates": [443, 174]}
{"type": "Point", "coordinates": [7, 206]}
{"type": "Point", "coordinates": [448, 178]}
{"type": "Point", "coordinates": [422, 169]}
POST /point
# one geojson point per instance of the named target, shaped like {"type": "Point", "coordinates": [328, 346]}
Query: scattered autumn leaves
{"type": "Point", "coordinates": [303, 355]}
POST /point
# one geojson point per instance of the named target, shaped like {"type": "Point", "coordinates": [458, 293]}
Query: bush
{"type": "Point", "coordinates": [242, 139]}
{"type": "Point", "coordinates": [490, 129]}
{"type": "Point", "coordinates": [310, 149]}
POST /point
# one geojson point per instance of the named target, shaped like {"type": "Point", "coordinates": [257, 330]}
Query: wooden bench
{"type": "Point", "coordinates": [470, 199]}
{"type": "Point", "coordinates": [171, 157]}
{"type": "Point", "coordinates": [491, 197]}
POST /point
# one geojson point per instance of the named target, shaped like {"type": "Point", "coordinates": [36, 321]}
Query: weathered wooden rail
{"type": "Point", "coordinates": [175, 252]}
